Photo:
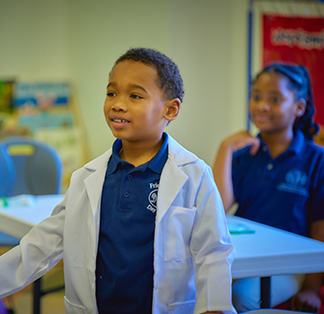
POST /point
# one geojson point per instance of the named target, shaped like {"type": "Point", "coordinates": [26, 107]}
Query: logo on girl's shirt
{"type": "Point", "coordinates": [295, 182]}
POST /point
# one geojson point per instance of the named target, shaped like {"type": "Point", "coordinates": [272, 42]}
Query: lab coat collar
{"type": "Point", "coordinates": [94, 182]}
{"type": "Point", "coordinates": [179, 154]}
{"type": "Point", "coordinates": [177, 157]}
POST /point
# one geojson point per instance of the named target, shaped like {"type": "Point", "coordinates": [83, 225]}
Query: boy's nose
{"type": "Point", "coordinates": [119, 105]}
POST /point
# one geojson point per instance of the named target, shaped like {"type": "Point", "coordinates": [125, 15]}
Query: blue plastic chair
{"type": "Point", "coordinates": [28, 167]}
{"type": "Point", "coordinates": [32, 167]}
{"type": "Point", "coordinates": [6, 185]}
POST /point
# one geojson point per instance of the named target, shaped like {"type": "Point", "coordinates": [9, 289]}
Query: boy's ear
{"type": "Point", "coordinates": [301, 107]}
{"type": "Point", "coordinates": [172, 109]}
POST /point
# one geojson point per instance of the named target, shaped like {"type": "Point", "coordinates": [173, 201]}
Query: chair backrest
{"type": "Point", "coordinates": [28, 167]}
{"type": "Point", "coordinates": [7, 171]}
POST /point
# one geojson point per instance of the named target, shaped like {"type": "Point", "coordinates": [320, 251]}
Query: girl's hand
{"type": "Point", "coordinates": [222, 167]}
{"type": "Point", "coordinates": [305, 301]}
{"type": "Point", "coordinates": [241, 140]}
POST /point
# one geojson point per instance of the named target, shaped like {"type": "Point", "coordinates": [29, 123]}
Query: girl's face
{"type": "Point", "coordinates": [273, 107]}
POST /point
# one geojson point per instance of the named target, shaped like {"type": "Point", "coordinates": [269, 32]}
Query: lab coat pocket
{"type": "Point", "coordinates": [177, 228]}
{"type": "Point", "coordinates": [187, 307]}
{"type": "Point", "coordinates": [73, 308]}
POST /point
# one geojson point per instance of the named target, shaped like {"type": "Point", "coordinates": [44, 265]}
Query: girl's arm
{"type": "Point", "coordinates": [222, 168]}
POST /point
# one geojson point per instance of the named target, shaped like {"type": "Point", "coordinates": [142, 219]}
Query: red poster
{"type": "Point", "coordinates": [298, 40]}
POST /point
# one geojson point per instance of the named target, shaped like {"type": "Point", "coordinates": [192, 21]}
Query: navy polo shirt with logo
{"type": "Point", "coordinates": [286, 192]}
{"type": "Point", "coordinates": [124, 268]}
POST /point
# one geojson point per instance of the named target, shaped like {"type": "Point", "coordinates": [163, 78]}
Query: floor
{"type": "Point", "coordinates": [52, 303]}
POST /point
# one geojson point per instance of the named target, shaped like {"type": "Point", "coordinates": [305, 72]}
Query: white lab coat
{"type": "Point", "coordinates": [192, 248]}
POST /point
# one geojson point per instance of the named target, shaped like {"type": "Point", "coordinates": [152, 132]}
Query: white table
{"type": "Point", "coordinates": [270, 251]}
{"type": "Point", "coordinates": [266, 252]}
{"type": "Point", "coordinates": [19, 219]}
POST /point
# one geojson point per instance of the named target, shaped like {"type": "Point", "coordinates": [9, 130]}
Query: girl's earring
{"type": "Point", "coordinates": [300, 112]}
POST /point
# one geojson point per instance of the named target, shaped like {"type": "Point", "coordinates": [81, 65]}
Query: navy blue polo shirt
{"type": "Point", "coordinates": [124, 270]}
{"type": "Point", "coordinates": [286, 192]}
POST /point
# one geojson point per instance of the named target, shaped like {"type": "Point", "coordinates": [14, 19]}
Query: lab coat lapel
{"type": "Point", "coordinates": [94, 182]}
{"type": "Point", "coordinates": [172, 179]}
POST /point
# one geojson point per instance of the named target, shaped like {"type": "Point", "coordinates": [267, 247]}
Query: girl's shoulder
{"type": "Point", "coordinates": [313, 147]}
{"type": "Point", "coordinates": [313, 153]}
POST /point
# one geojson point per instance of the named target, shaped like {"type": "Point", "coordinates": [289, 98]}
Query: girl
{"type": "Point", "coordinates": [277, 178]}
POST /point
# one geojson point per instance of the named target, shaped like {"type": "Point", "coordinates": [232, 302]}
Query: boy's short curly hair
{"type": "Point", "coordinates": [170, 80]}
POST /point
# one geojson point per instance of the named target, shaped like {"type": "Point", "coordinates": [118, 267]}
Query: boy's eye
{"type": "Point", "coordinates": [136, 96]}
{"type": "Point", "coordinates": [111, 94]}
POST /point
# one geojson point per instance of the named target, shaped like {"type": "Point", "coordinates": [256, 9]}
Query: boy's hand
{"type": "Point", "coordinates": [305, 301]}
{"type": "Point", "coordinates": [240, 140]}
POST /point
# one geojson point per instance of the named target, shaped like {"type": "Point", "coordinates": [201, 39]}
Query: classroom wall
{"type": "Point", "coordinates": [79, 40]}
{"type": "Point", "coordinates": [33, 39]}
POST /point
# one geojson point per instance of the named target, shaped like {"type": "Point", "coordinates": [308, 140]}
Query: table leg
{"type": "Point", "coordinates": [36, 296]}
{"type": "Point", "coordinates": [265, 292]}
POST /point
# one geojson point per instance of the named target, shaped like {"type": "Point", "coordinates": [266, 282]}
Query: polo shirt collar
{"type": "Point", "coordinates": [156, 164]}
{"type": "Point", "coordinates": [295, 146]}
{"type": "Point", "coordinates": [297, 142]}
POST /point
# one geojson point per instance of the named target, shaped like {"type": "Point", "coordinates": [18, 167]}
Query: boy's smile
{"type": "Point", "coordinates": [136, 107]}
{"type": "Point", "coordinates": [118, 122]}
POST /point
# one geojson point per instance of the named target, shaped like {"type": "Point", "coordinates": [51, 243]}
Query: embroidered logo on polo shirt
{"type": "Point", "coordinates": [152, 198]}
{"type": "Point", "coordinates": [295, 182]}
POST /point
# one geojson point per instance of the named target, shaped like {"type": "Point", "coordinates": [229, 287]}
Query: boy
{"type": "Point", "coordinates": [143, 225]}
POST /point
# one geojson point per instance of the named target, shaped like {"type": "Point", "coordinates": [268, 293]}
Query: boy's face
{"type": "Point", "coordinates": [136, 109]}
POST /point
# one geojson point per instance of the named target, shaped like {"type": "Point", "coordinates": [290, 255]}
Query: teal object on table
{"type": "Point", "coordinates": [239, 228]}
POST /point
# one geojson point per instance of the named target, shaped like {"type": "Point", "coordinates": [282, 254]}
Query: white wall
{"type": "Point", "coordinates": [33, 39]}
{"type": "Point", "coordinates": [79, 40]}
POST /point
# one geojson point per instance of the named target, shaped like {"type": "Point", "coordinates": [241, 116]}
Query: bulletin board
{"type": "Point", "coordinates": [45, 111]}
{"type": "Point", "coordinates": [291, 31]}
